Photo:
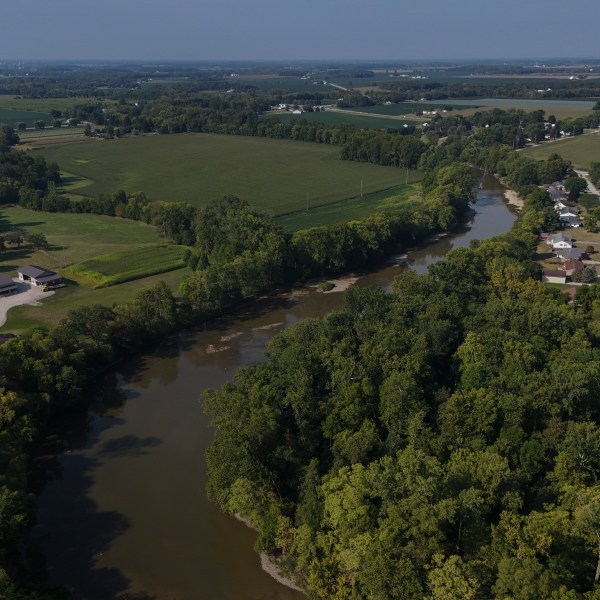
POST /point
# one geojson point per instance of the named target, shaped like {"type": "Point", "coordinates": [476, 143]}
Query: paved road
{"type": "Point", "coordinates": [591, 187]}
{"type": "Point", "coordinates": [27, 294]}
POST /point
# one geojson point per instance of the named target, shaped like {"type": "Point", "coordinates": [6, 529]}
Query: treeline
{"type": "Point", "coordinates": [46, 373]}
{"type": "Point", "coordinates": [22, 175]}
{"type": "Point", "coordinates": [440, 441]}
{"type": "Point", "coordinates": [240, 253]}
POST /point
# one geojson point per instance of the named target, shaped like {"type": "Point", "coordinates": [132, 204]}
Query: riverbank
{"type": "Point", "coordinates": [513, 198]}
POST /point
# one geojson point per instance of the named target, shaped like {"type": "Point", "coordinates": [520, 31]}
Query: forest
{"type": "Point", "coordinates": [440, 441]}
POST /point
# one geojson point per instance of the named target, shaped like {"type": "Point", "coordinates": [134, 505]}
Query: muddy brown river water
{"type": "Point", "coordinates": [122, 507]}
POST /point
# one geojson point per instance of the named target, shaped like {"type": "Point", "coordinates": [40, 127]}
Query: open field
{"type": "Point", "coordinates": [580, 150]}
{"type": "Point", "coordinates": [127, 265]}
{"type": "Point", "coordinates": [406, 108]}
{"type": "Point", "coordinates": [72, 237]}
{"type": "Point", "coordinates": [12, 117]}
{"type": "Point", "coordinates": [42, 105]}
{"type": "Point", "coordinates": [352, 208]}
{"type": "Point", "coordinates": [561, 109]}
{"type": "Point", "coordinates": [79, 239]}
{"type": "Point", "coordinates": [273, 175]}
{"type": "Point", "coordinates": [342, 117]}
{"type": "Point", "coordinates": [24, 318]}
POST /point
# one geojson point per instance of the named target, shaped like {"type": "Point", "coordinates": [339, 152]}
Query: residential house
{"type": "Point", "coordinates": [571, 265]}
{"type": "Point", "coordinates": [554, 276]}
{"type": "Point", "coordinates": [39, 276]}
{"type": "Point", "coordinates": [7, 285]}
{"type": "Point", "coordinates": [560, 240]}
{"type": "Point", "coordinates": [570, 253]}
{"type": "Point", "coordinates": [570, 221]}
{"type": "Point", "coordinates": [568, 212]}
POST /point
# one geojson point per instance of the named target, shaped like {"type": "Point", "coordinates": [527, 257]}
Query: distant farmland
{"type": "Point", "coordinates": [339, 117]}
{"type": "Point", "coordinates": [13, 116]}
{"type": "Point", "coordinates": [279, 176]}
{"type": "Point", "coordinates": [580, 150]}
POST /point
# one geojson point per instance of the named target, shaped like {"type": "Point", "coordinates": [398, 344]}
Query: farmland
{"type": "Point", "coordinates": [580, 150]}
{"type": "Point", "coordinates": [273, 175]}
{"type": "Point", "coordinates": [406, 108]}
{"type": "Point", "coordinates": [13, 116]}
{"type": "Point", "coordinates": [355, 208]}
{"type": "Point", "coordinates": [128, 265]}
{"type": "Point", "coordinates": [342, 117]}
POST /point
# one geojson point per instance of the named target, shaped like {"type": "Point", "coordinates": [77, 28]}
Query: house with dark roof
{"type": "Point", "coordinates": [570, 221]}
{"type": "Point", "coordinates": [570, 253]}
{"type": "Point", "coordinates": [39, 276]}
{"type": "Point", "coordinates": [7, 285]}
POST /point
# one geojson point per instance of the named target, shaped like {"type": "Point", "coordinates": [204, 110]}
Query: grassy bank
{"type": "Point", "coordinates": [580, 150]}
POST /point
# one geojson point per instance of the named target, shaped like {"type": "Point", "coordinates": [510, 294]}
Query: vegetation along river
{"type": "Point", "coordinates": [122, 507]}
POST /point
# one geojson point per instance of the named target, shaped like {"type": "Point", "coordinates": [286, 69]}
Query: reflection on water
{"type": "Point", "coordinates": [123, 511]}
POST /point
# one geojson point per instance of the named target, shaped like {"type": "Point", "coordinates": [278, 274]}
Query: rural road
{"type": "Point", "coordinates": [27, 294]}
{"type": "Point", "coordinates": [591, 187]}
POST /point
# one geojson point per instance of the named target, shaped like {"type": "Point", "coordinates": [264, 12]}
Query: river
{"type": "Point", "coordinates": [122, 507]}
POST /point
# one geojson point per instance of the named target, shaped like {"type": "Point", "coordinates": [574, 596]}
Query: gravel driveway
{"type": "Point", "coordinates": [27, 294]}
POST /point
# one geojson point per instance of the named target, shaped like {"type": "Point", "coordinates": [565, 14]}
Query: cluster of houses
{"type": "Point", "coordinates": [32, 274]}
{"type": "Point", "coordinates": [568, 215]}
{"type": "Point", "coordinates": [563, 246]}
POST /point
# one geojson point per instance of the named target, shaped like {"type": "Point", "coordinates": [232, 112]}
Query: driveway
{"type": "Point", "coordinates": [591, 187]}
{"type": "Point", "coordinates": [27, 294]}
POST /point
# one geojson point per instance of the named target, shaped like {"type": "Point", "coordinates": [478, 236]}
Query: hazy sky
{"type": "Point", "coordinates": [301, 29]}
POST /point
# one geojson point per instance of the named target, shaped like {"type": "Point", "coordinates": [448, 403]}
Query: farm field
{"type": "Point", "coordinates": [581, 150]}
{"type": "Point", "coordinates": [405, 108]}
{"type": "Point", "coordinates": [561, 109]}
{"type": "Point", "coordinates": [41, 105]}
{"type": "Point", "coordinates": [127, 265]}
{"type": "Point", "coordinates": [11, 117]}
{"type": "Point", "coordinates": [352, 208]}
{"type": "Point", "coordinates": [273, 175]}
{"type": "Point", "coordinates": [340, 117]}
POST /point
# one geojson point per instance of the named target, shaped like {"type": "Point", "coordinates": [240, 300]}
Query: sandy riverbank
{"type": "Point", "coordinates": [513, 198]}
{"type": "Point", "coordinates": [269, 566]}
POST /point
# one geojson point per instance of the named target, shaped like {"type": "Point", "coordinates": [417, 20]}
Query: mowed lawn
{"type": "Point", "coordinates": [13, 116]}
{"type": "Point", "coordinates": [273, 175]}
{"type": "Point", "coordinates": [580, 150]}
{"type": "Point", "coordinates": [73, 238]}
{"type": "Point", "coordinates": [123, 249]}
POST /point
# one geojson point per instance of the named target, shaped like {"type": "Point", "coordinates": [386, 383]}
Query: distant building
{"type": "Point", "coordinates": [39, 276]}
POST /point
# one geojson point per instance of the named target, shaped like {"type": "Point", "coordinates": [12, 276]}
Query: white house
{"type": "Point", "coordinates": [554, 276]}
{"type": "Point", "coordinates": [560, 240]}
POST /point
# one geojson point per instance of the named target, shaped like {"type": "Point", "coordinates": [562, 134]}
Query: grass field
{"type": "Point", "coordinates": [73, 238]}
{"type": "Point", "coordinates": [352, 208]}
{"type": "Point", "coordinates": [24, 318]}
{"type": "Point", "coordinates": [406, 108]}
{"type": "Point", "coordinates": [581, 150]}
{"type": "Point", "coordinates": [273, 175]}
{"type": "Point", "coordinates": [134, 248]}
{"type": "Point", "coordinates": [128, 265]}
{"type": "Point", "coordinates": [11, 117]}
{"type": "Point", "coordinates": [42, 105]}
{"type": "Point", "coordinates": [342, 118]}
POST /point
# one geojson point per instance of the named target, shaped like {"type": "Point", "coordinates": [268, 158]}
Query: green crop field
{"type": "Point", "coordinates": [12, 117]}
{"type": "Point", "coordinates": [41, 105]}
{"type": "Point", "coordinates": [127, 265]}
{"type": "Point", "coordinates": [352, 208]}
{"type": "Point", "coordinates": [278, 176]}
{"type": "Point", "coordinates": [348, 118]}
{"type": "Point", "coordinates": [406, 108]}
{"type": "Point", "coordinates": [581, 150]}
